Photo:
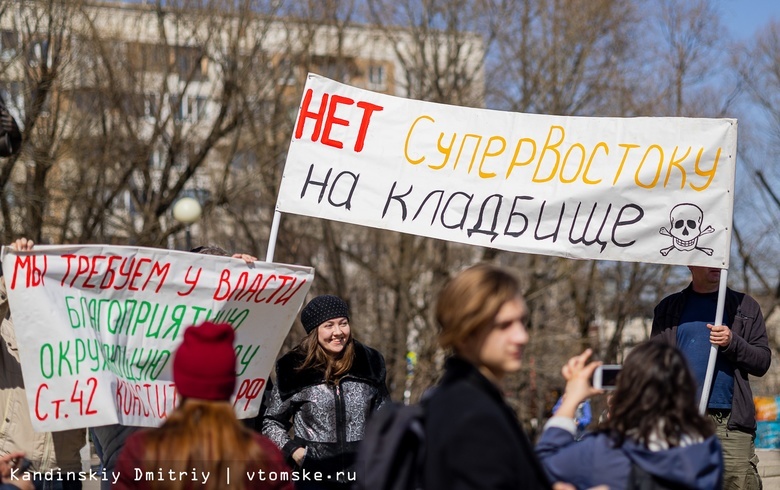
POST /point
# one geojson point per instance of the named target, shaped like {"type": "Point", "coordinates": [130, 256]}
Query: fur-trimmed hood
{"type": "Point", "coordinates": [368, 366]}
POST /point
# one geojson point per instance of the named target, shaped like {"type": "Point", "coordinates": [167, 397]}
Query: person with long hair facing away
{"type": "Point", "coordinates": [326, 389]}
{"type": "Point", "coordinates": [473, 437]}
{"type": "Point", "coordinates": [202, 436]}
{"type": "Point", "coordinates": [653, 431]}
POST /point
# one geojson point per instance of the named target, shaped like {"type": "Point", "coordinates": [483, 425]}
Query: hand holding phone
{"type": "Point", "coordinates": [12, 461]}
{"type": "Point", "coordinates": [578, 373]}
{"type": "Point", "coordinates": [605, 376]}
{"type": "Point", "coordinates": [23, 464]}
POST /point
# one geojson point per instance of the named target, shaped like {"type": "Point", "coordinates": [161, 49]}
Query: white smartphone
{"type": "Point", "coordinates": [605, 376]}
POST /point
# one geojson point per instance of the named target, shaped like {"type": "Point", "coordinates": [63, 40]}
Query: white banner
{"type": "Point", "coordinates": [97, 327]}
{"type": "Point", "coordinates": [630, 189]}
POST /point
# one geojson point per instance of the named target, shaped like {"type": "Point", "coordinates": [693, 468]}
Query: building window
{"type": "Point", "coordinates": [40, 53]}
{"type": "Point", "coordinates": [377, 79]}
{"type": "Point", "coordinates": [147, 57]}
{"type": "Point", "coordinates": [190, 63]}
{"type": "Point", "coordinates": [13, 95]}
{"type": "Point", "coordinates": [244, 160]}
{"type": "Point", "coordinates": [156, 158]}
{"type": "Point", "coordinates": [192, 108]}
{"type": "Point", "coordinates": [286, 71]}
{"type": "Point", "coordinates": [151, 105]}
{"type": "Point", "coordinates": [9, 42]}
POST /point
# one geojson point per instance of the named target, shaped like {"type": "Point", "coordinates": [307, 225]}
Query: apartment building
{"type": "Point", "coordinates": [129, 106]}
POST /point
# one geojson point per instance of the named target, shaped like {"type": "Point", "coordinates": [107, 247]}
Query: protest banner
{"type": "Point", "coordinates": [97, 327]}
{"type": "Point", "coordinates": [656, 190]}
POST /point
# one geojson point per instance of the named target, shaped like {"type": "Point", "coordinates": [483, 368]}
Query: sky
{"type": "Point", "coordinates": [745, 17]}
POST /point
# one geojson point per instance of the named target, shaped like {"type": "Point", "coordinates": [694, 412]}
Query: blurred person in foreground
{"type": "Point", "coordinates": [202, 439]}
{"type": "Point", "coordinates": [473, 437]}
{"type": "Point", "coordinates": [653, 433]}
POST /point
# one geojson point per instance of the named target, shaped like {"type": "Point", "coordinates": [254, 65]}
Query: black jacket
{"type": "Point", "coordinates": [327, 420]}
{"type": "Point", "coordinates": [749, 349]}
{"type": "Point", "coordinates": [10, 136]}
{"type": "Point", "coordinates": [474, 440]}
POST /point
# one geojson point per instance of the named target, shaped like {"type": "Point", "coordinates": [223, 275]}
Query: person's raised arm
{"type": "Point", "coordinates": [578, 373]}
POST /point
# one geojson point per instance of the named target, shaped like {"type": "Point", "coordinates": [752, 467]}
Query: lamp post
{"type": "Point", "coordinates": [187, 211]}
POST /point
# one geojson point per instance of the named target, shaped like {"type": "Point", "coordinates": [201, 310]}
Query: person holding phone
{"type": "Point", "coordinates": [654, 431]}
{"type": "Point", "coordinates": [12, 480]}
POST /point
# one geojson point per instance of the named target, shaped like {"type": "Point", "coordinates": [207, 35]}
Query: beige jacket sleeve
{"type": "Point", "coordinates": [46, 450]}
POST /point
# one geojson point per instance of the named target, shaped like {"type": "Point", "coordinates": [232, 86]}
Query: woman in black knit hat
{"type": "Point", "coordinates": [326, 388]}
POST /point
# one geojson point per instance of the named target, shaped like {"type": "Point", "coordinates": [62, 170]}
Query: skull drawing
{"type": "Point", "coordinates": [685, 229]}
{"type": "Point", "coordinates": [686, 225]}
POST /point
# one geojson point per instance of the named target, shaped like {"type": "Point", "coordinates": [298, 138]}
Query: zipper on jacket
{"type": "Point", "coordinates": [341, 425]}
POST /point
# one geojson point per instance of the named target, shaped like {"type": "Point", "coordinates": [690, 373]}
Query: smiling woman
{"type": "Point", "coordinates": [326, 388]}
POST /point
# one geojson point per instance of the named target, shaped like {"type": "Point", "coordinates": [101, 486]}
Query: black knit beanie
{"type": "Point", "coordinates": [321, 309]}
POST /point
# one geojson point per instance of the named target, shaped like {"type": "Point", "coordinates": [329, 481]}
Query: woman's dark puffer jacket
{"type": "Point", "coordinates": [328, 420]}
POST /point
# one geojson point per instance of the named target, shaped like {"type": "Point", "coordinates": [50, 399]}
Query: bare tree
{"type": "Point", "coordinates": [40, 40]}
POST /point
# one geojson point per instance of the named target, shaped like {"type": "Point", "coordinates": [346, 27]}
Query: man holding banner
{"type": "Point", "coordinates": [684, 319]}
{"type": "Point", "coordinates": [46, 450]}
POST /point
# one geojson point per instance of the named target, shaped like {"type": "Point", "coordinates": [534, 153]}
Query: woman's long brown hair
{"type": "Point", "coordinates": [655, 394]}
{"type": "Point", "coordinates": [205, 436]}
{"type": "Point", "coordinates": [333, 367]}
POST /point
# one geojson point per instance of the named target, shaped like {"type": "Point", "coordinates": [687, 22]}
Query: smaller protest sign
{"type": "Point", "coordinates": [98, 326]}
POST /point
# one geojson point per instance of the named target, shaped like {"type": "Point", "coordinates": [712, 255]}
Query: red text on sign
{"type": "Point", "coordinates": [325, 118]}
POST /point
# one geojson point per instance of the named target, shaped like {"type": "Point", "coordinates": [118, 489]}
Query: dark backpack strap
{"type": "Point", "coordinates": [391, 453]}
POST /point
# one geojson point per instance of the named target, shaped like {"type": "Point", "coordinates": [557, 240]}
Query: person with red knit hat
{"type": "Point", "coordinates": [109, 439]}
{"type": "Point", "coordinates": [203, 436]}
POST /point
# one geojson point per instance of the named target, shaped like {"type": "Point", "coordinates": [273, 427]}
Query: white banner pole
{"type": "Point", "coordinates": [269, 255]}
{"type": "Point", "coordinates": [705, 393]}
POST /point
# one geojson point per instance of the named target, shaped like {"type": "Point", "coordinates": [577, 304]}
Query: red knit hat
{"type": "Point", "coordinates": [204, 365]}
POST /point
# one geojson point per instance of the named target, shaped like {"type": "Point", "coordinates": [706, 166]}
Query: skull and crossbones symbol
{"type": "Point", "coordinates": [685, 229]}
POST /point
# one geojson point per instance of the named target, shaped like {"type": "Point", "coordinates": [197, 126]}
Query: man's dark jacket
{"type": "Point", "coordinates": [10, 136]}
{"type": "Point", "coordinates": [473, 438]}
{"type": "Point", "coordinates": [749, 349]}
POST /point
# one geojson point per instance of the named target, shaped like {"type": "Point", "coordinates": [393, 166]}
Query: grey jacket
{"type": "Point", "coordinates": [328, 420]}
{"type": "Point", "coordinates": [749, 349]}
